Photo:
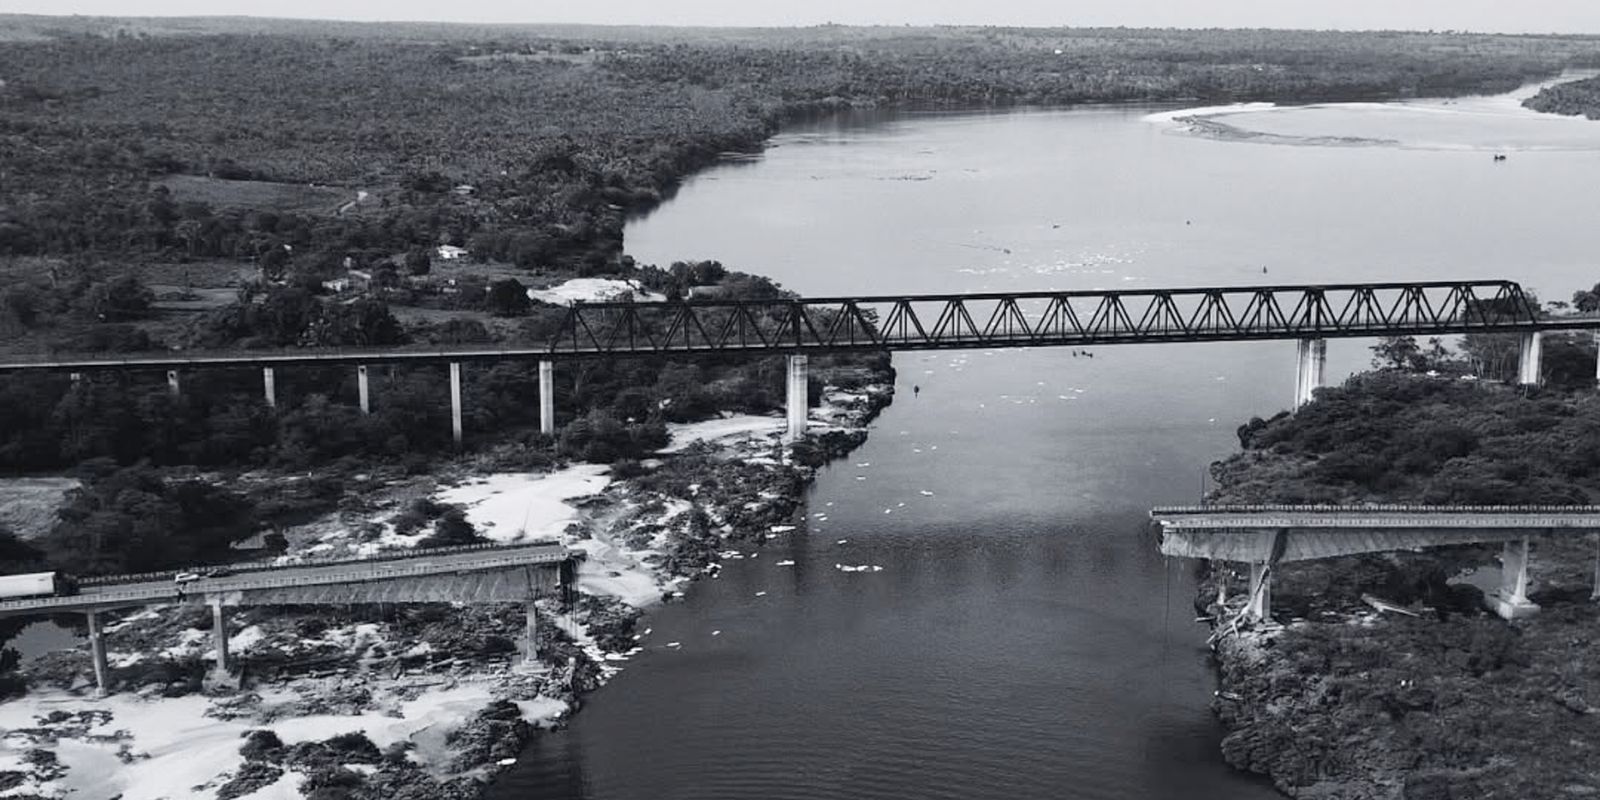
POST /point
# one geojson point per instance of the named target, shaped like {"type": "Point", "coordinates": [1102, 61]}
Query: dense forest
{"type": "Point", "coordinates": [1574, 98]}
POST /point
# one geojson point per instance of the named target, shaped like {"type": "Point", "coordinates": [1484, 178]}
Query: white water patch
{"type": "Point", "coordinates": [593, 290]}
{"type": "Point", "coordinates": [521, 507]}
{"type": "Point", "coordinates": [181, 753]}
{"type": "Point", "coordinates": [722, 430]}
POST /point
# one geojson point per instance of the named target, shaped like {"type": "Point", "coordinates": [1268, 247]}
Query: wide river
{"type": "Point", "coordinates": [1024, 639]}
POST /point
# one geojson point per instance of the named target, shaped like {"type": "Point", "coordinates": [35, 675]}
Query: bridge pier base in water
{"type": "Point", "coordinates": [219, 631]}
{"type": "Point", "coordinates": [172, 383]}
{"type": "Point", "coordinates": [1530, 351]}
{"type": "Point", "coordinates": [530, 636]}
{"type": "Point", "coordinates": [363, 390]}
{"type": "Point", "coordinates": [455, 401]}
{"type": "Point", "coordinates": [269, 387]}
{"type": "Point", "coordinates": [797, 396]}
{"type": "Point", "coordinates": [547, 398]}
{"type": "Point", "coordinates": [97, 654]}
{"type": "Point", "coordinates": [1511, 601]}
{"type": "Point", "coordinates": [1259, 605]}
{"type": "Point", "coordinates": [1311, 360]}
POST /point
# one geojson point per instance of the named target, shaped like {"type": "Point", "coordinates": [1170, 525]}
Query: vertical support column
{"type": "Point", "coordinates": [269, 386]}
{"type": "Point", "coordinates": [1597, 359]}
{"type": "Point", "coordinates": [1220, 570]}
{"type": "Point", "coordinates": [530, 635]}
{"type": "Point", "coordinates": [1594, 593]}
{"type": "Point", "coordinates": [1511, 600]}
{"type": "Point", "coordinates": [78, 376]}
{"type": "Point", "coordinates": [1530, 353]}
{"type": "Point", "coordinates": [219, 631]}
{"type": "Point", "coordinates": [1311, 358]}
{"type": "Point", "coordinates": [455, 400]}
{"type": "Point", "coordinates": [363, 389]}
{"type": "Point", "coordinates": [547, 398]}
{"type": "Point", "coordinates": [172, 382]}
{"type": "Point", "coordinates": [97, 653]}
{"type": "Point", "coordinates": [1259, 605]}
{"type": "Point", "coordinates": [796, 399]}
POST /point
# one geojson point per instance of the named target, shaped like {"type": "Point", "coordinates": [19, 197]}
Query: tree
{"type": "Point", "coordinates": [1587, 300]}
{"type": "Point", "coordinates": [508, 298]}
{"type": "Point", "coordinates": [120, 299]}
{"type": "Point", "coordinates": [418, 262]}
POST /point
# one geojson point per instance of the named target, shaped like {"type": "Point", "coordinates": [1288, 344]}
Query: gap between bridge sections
{"type": "Point", "coordinates": [1265, 536]}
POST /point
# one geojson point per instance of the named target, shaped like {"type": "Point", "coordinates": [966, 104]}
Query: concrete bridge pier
{"type": "Point", "coordinates": [219, 631]}
{"type": "Point", "coordinates": [172, 383]}
{"type": "Point", "coordinates": [547, 398]}
{"type": "Point", "coordinates": [1311, 360]}
{"type": "Point", "coordinates": [1597, 360]}
{"type": "Point", "coordinates": [530, 636]}
{"type": "Point", "coordinates": [455, 401]}
{"type": "Point", "coordinates": [1530, 352]}
{"type": "Point", "coordinates": [1259, 604]}
{"type": "Point", "coordinates": [269, 387]}
{"type": "Point", "coordinates": [1510, 601]}
{"type": "Point", "coordinates": [97, 653]}
{"type": "Point", "coordinates": [796, 403]}
{"type": "Point", "coordinates": [363, 390]}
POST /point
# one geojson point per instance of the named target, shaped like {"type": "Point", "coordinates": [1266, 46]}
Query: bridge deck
{"type": "Point", "coordinates": [310, 583]}
{"type": "Point", "coordinates": [1298, 533]}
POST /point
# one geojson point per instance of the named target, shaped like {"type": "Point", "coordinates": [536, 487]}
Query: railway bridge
{"type": "Point", "coordinates": [797, 327]}
{"type": "Point", "coordinates": [1264, 536]}
{"type": "Point", "coordinates": [470, 574]}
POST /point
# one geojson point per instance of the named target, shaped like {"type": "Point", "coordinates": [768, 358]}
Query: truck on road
{"type": "Point", "coordinates": [36, 584]}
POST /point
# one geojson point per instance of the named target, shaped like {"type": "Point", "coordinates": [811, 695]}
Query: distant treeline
{"type": "Point", "coordinates": [560, 140]}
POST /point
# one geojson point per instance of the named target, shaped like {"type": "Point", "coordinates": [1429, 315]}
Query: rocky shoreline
{"type": "Point", "coordinates": [425, 701]}
{"type": "Point", "coordinates": [1424, 694]}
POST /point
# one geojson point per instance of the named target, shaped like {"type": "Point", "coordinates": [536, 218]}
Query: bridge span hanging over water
{"type": "Point", "coordinates": [1264, 536]}
{"type": "Point", "coordinates": [472, 574]}
{"type": "Point", "coordinates": [796, 327]}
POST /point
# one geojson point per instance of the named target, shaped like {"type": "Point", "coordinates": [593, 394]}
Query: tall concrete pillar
{"type": "Point", "coordinates": [1310, 363]}
{"type": "Point", "coordinates": [1510, 601]}
{"type": "Point", "coordinates": [1597, 359]}
{"type": "Point", "coordinates": [530, 635]}
{"type": "Point", "coordinates": [78, 376]}
{"type": "Point", "coordinates": [1594, 593]}
{"type": "Point", "coordinates": [172, 382]}
{"type": "Point", "coordinates": [796, 399]}
{"type": "Point", "coordinates": [269, 386]}
{"type": "Point", "coordinates": [97, 654]}
{"type": "Point", "coordinates": [1530, 352]}
{"type": "Point", "coordinates": [1219, 569]}
{"type": "Point", "coordinates": [455, 400]}
{"type": "Point", "coordinates": [1260, 599]}
{"type": "Point", "coordinates": [547, 398]}
{"type": "Point", "coordinates": [219, 631]}
{"type": "Point", "coordinates": [363, 390]}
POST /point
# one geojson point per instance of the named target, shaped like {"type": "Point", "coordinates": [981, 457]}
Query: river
{"type": "Point", "coordinates": [1024, 639]}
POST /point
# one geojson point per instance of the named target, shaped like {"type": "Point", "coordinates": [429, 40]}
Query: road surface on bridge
{"type": "Point", "coordinates": [107, 595]}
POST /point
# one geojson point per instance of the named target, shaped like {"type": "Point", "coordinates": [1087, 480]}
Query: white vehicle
{"type": "Point", "coordinates": [185, 577]}
{"type": "Point", "coordinates": [37, 584]}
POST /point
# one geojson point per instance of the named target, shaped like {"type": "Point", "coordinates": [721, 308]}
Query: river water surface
{"type": "Point", "coordinates": [1024, 639]}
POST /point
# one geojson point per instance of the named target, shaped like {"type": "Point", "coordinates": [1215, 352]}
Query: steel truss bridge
{"type": "Point", "coordinates": [942, 321]}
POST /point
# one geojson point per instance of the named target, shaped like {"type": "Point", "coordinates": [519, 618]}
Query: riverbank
{"type": "Point", "coordinates": [430, 700]}
{"type": "Point", "coordinates": [1338, 699]}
